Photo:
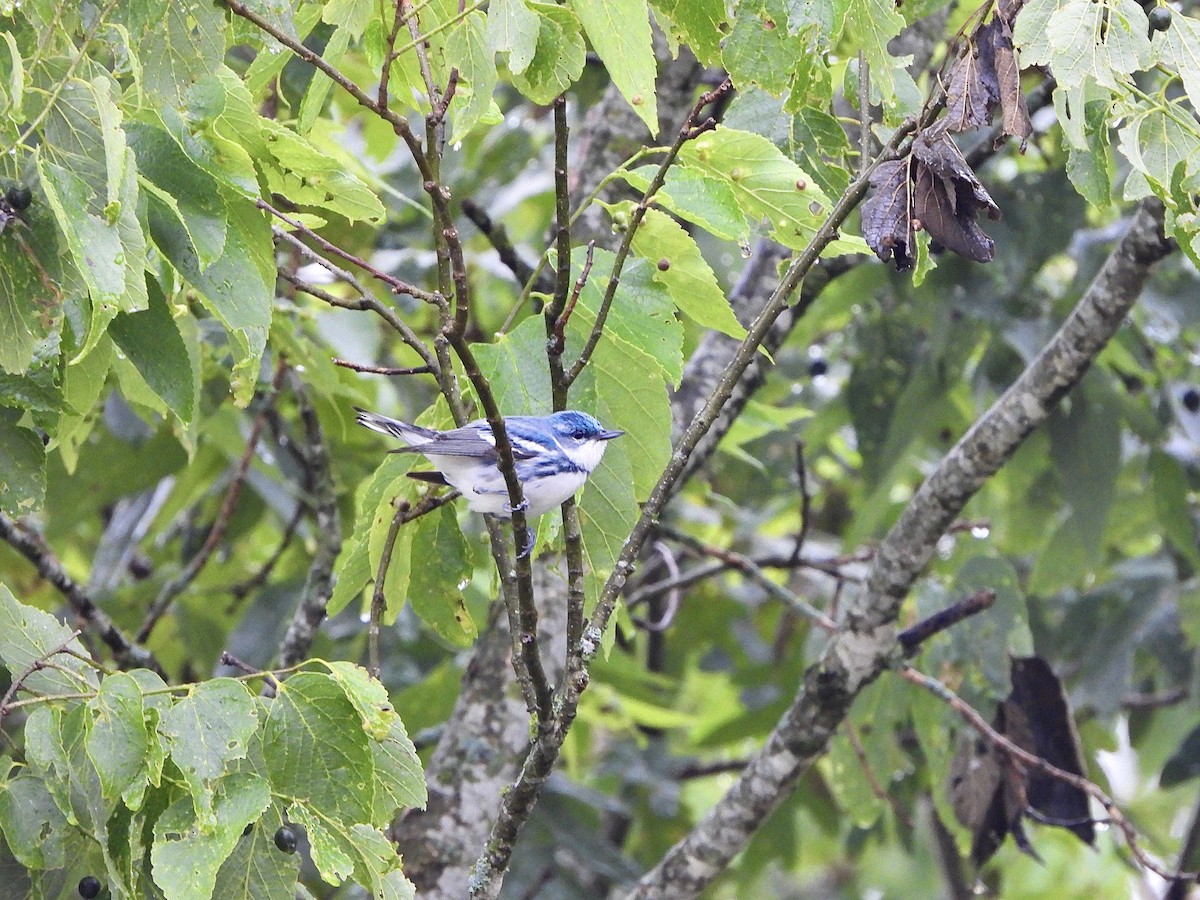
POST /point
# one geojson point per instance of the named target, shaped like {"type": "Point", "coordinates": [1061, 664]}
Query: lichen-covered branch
{"type": "Point", "coordinates": [867, 642]}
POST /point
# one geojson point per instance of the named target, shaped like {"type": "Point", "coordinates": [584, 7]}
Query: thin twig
{"type": "Point", "coordinates": [1025, 758]}
{"type": "Point", "coordinates": [127, 654]}
{"type": "Point", "coordinates": [378, 598]}
{"type": "Point", "coordinates": [911, 639]}
{"type": "Point", "coordinates": [183, 580]}
{"type": "Point", "coordinates": [558, 340]}
{"type": "Point", "coordinates": [36, 666]}
{"type": "Point", "coordinates": [382, 370]}
{"type": "Point", "coordinates": [396, 285]}
{"type": "Point", "coordinates": [752, 571]}
{"type": "Point", "coordinates": [688, 132]}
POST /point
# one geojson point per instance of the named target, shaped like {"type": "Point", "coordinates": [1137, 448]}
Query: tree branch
{"type": "Point", "coordinates": [127, 654]}
{"type": "Point", "coordinates": [859, 652]}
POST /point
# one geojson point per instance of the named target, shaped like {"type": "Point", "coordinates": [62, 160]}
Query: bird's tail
{"type": "Point", "coordinates": [410, 434]}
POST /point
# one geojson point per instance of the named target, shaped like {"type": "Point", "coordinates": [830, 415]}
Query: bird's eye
{"type": "Point", "coordinates": [579, 434]}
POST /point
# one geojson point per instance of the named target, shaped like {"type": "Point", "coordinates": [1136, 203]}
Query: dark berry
{"type": "Point", "coordinates": [1160, 18]}
{"type": "Point", "coordinates": [285, 839]}
{"type": "Point", "coordinates": [249, 828]}
{"type": "Point", "coordinates": [664, 264]}
{"type": "Point", "coordinates": [89, 887]}
{"type": "Point", "coordinates": [1191, 400]}
{"type": "Point", "coordinates": [818, 367]}
{"type": "Point", "coordinates": [19, 197]}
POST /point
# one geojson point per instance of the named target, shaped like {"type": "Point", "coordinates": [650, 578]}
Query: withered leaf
{"type": "Point", "coordinates": [947, 197]}
{"type": "Point", "coordinates": [1039, 694]}
{"type": "Point", "coordinates": [887, 214]}
{"type": "Point", "coordinates": [997, 36]}
{"type": "Point", "coordinates": [1008, 9]}
{"type": "Point", "coordinates": [971, 89]}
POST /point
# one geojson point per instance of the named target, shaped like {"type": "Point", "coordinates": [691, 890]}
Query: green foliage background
{"type": "Point", "coordinates": [142, 322]}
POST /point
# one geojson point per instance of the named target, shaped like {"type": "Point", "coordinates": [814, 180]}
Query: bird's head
{"type": "Point", "coordinates": [581, 437]}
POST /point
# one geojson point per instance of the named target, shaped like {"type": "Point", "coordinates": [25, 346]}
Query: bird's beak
{"type": "Point", "coordinates": [608, 435]}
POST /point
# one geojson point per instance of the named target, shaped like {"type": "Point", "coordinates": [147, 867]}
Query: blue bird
{"type": "Point", "coordinates": [554, 456]}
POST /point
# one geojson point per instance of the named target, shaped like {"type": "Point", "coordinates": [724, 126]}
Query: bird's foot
{"type": "Point", "coordinates": [520, 507]}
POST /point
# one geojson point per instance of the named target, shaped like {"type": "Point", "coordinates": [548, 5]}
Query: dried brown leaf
{"type": "Point", "coordinates": [887, 214]}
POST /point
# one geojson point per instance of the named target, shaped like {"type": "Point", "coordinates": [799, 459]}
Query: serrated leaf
{"type": "Point", "coordinates": [238, 287]}
{"type": "Point", "coordinates": [399, 776]}
{"type": "Point", "coordinates": [620, 32]}
{"type": "Point", "coordinates": [1105, 41]}
{"type": "Point", "coordinates": [512, 28]}
{"type": "Point", "coordinates": [186, 42]}
{"type": "Point", "coordinates": [871, 25]}
{"type": "Point", "coordinates": [307, 176]}
{"type": "Point", "coordinates": [316, 750]}
{"type": "Point", "coordinates": [206, 730]}
{"type": "Point", "coordinates": [516, 367]}
{"type": "Point", "coordinates": [117, 742]}
{"type": "Point", "coordinates": [396, 578]}
{"type": "Point", "coordinates": [256, 870]}
{"type": "Point", "coordinates": [32, 823]}
{"type": "Point", "coordinates": [349, 14]}
{"type": "Point", "coordinates": [706, 202]}
{"type": "Point", "coordinates": [22, 469]}
{"type": "Point", "coordinates": [558, 60]}
{"type": "Point", "coordinates": [1180, 47]}
{"type": "Point", "coordinates": [765, 183]}
{"type": "Point", "coordinates": [434, 590]}
{"type": "Point", "coordinates": [689, 279]}
{"type": "Point", "coordinates": [151, 341]}
{"type": "Point", "coordinates": [697, 23]}
{"type": "Point", "coordinates": [187, 853]}
{"type": "Point", "coordinates": [28, 635]}
{"type": "Point", "coordinates": [368, 695]}
{"type": "Point", "coordinates": [193, 192]}
{"type": "Point", "coordinates": [642, 313]}
{"type": "Point", "coordinates": [320, 88]}
{"type": "Point", "coordinates": [468, 49]}
{"type": "Point", "coordinates": [761, 49]}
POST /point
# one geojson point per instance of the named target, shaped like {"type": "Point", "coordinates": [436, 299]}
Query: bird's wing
{"type": "Point", "coordinates": [410, 434]}
{"type": "Point", "coordinates": [429, 477]}
{"type": "Point", "coordinates": [475, 442]}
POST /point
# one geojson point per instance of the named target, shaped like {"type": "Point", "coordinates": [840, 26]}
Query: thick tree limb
{"type": "Point", "coordinates": [867, 643]}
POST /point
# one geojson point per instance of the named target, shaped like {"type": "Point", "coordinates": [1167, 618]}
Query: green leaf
{"type": "Point", "coordinates": [354, 569]}
{"type": "Point", "coordinates": [1105, 41]}
{"type": "Point", "coordinates": [558, 60]}
{"type": "Point", "coordinates": [691, 195]}
{"type": "Point", "coordinates": [152, 342]}
{"type": "Point", "coordinates": [400, 778]}
{"type": "Point", "coordinates": [642, 313]}
{"type": "Point", "coordinates": [320, 88]}
{"type": "Point", "coordinates": [32, 823]}
{"type": "Point", "coordinates": [1170, 488]}
{"type": "Point", "coordinates": [697, 23]}
{"type": "Point", "coordinates": [762, 49]}
{"type": "Point", "coordinates": [515, 365]}
{"type": "Point", "coordinates": [256, 870]}
{"type": "Point", "coordinates": [1090, 166]}
{"type": "Point", "coordinates": [468, 49]}
{"type": "Point", "coordinates": [512, 28]}
{"type": "Point", "coordinates": [368, 695]}
{"type": "Point", "coordinates": [117, 743]}
{"type": "Point", "coordinates": [1157, 144]}
{"type": "Point", "coordinates": [187, 853]}
{"type": "Point", "coordinates": [193, 193]}
{"type": "Point", "coordinates": [688, 277]}
{"type": "Point", "coordinates": [27, 299]}
{"type": "Point", "coordinates": [340, 850]}
{"type": "Point", "coordinates": [351, 15]}
{"type": "Point", "coordinates": [186, 43]}
{"type": "Point", "coordinates": [307, 176]}
{"type": "Point", "coordinates": [991, 637]}
{"type": "Point", "coordinates": [870, 25]}
{"type": "Point", "coordinates": [205, 731]}
{"type": "Point", "coordinates": [1180, 48]}
{"type": "Point", "coordinates": [90, 183]}
{"type": "Point", "coordinates": [238, 287]}
{"type": "Point", "coordinates": [22, 468]}
{"type": "Point", "coordinates": [620, 32]}
{"type": "Point", "coordinates": [766, 185]}
{"type": "Point", "coordinates": [435, 591]}
{"type": "Point", "coordinates": [28, 635]}
{"type": "Point", "coordinates": [395, 579]}
{"type": "Point", "coordinates": [316, 750]}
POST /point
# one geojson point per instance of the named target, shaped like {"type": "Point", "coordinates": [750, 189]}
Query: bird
{"type": "Point", "coordinates": [554, 456]}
